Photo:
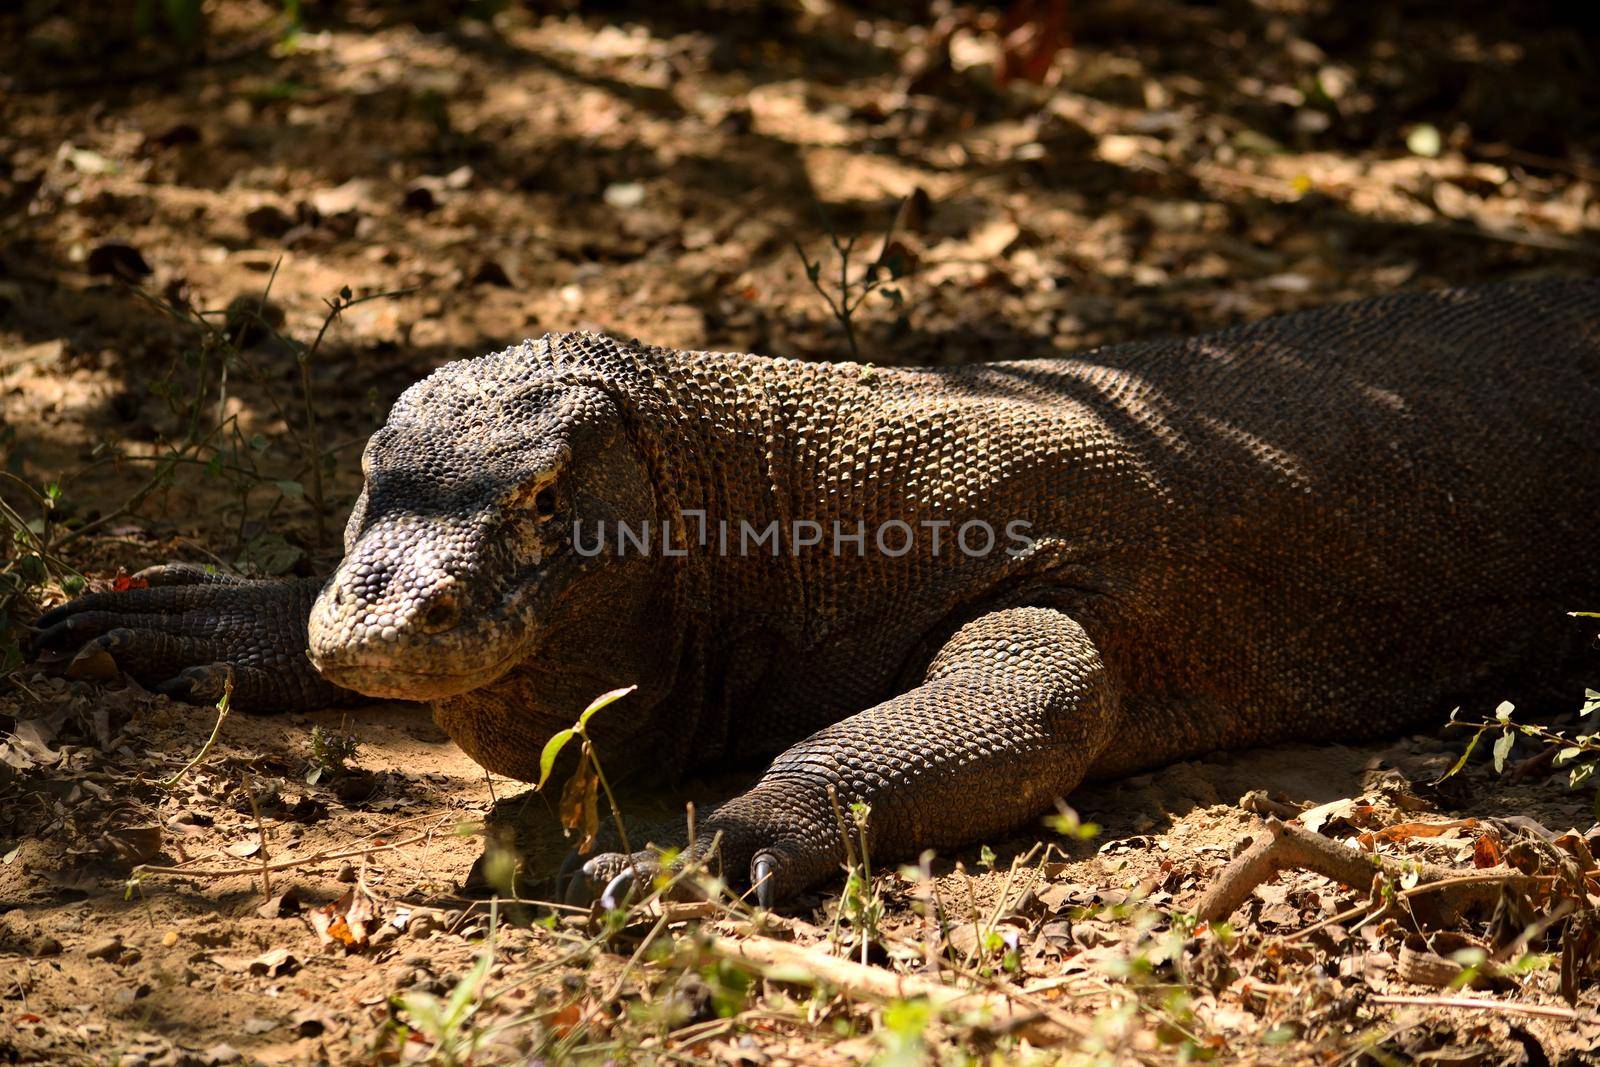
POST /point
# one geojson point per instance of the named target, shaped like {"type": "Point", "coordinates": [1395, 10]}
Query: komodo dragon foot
{"type": "Point", "coordinates": [188, 628]}
{"type": "Point", "coordinates": [1008, 716]}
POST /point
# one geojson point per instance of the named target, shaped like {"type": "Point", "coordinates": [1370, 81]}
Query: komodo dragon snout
{"type": "Point", "coordinates": [459, 551]}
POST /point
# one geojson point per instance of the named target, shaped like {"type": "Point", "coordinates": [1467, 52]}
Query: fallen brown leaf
{"type": "Point", "coordinates": [580, 801]}
{"type": "Point", "coordinates": [348, 921]}
{"type": "Point", "coordinates": [1405, 831]}
{"type": "Point", "coordinates": [133, 844]}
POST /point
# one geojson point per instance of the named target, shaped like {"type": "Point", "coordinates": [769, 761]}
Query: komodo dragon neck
{"type": "Point", "coordinates": [741, 445]}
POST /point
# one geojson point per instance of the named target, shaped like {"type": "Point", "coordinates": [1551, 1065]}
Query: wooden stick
{"type": "Point", "coordinates": [1288, 845]}
{"type": "Point", "coordinates": [1495, 877]}
{"type": "Point", "coordinates": [783, 961]}
{"type": "Point", "coordinates": [1480, 1004]}
{"type": "Point", "coordinates": [322, 856]}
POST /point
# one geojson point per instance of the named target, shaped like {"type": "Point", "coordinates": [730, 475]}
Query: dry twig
{"type": "Point", "coordinates": [1289, 845]}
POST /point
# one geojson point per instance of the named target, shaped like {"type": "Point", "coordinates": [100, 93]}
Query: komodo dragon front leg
{"type": "Point", "coordinates": [1010, 715]}
{"type": "Point", "coordinates": [183, 633]}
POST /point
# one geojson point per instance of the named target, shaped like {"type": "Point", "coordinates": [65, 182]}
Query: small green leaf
{"type": "Point", "coordinates": [1462, 761]}
{"type": "Point", "coordinates": [552, 749]}
{"type": "Point", "coordinates": [1571, 752]}
{"type": "Point", "coordinates": [1424, 140]}
{"type": "Point", "coordinates": [601, 701]}
{"type": "Point", "coordinates": [291, 488]}
{"type": "Point", "coordinates": [424, 1012]}
{"type": "Point", "coordinates": [1503, 712]}
{"type": "Point", "coordinates": [1502, 750]}
{"type": "Point", "coordinates": [1279, 1035]}
{"type": "Point", "coordinates": [460, 1005]}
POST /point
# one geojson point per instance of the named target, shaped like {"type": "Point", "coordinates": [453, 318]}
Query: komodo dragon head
{"type": "Point", "coordinates": [460, 564]}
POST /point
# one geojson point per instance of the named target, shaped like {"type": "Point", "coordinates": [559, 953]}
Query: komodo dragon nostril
{"type": "Point", "coordinates": [441, 614]}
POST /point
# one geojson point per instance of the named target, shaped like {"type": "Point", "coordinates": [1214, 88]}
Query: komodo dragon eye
{"type": "Point", "coordinates": [538, 496]}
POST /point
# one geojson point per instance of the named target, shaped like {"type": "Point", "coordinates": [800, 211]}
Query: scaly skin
{"type": "Point", "coordinates": [1325, 526]}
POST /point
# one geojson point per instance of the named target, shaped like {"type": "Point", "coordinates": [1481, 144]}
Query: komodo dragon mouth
{"type": "Point", "coordinates": [382, 638]}
{"type": "Point", "coordinates": [393, 682]}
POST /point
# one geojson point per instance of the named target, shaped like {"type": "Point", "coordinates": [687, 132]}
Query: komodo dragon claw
{"type": "Point", "coordinates": [618, 877]}
{"type": "Point", "coordinates": [183, 631]}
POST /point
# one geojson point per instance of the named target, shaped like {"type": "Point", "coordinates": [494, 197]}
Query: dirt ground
{"type": "Point", "coordinates": [174, 217]}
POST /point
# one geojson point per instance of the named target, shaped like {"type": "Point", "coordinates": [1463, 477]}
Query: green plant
{"type": "Point", "coordinates": [1580, 753]}
{"type": "Point", "coordinates": [891, 264]}
{"type": "Point", "coordinates": [38, 523]}
{"type": "Point", "coordinates": [860, 906]}
{"type": "Point", "coordinates": [447, 1023]}
{"type": "Point", "coordinates": [224, 706]}
{"type": "Point", "coordinates": [902, 1035]}
{"type": "Point", "coordinates": [579, 802]}
{"type": "Point", "coordinates": [331, 754]}
{"type": "Point", "coordinates": [1066, 823]}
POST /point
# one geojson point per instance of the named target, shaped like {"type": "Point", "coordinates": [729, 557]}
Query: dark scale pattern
{"type": "Point", "coordinates": [1328, 525]}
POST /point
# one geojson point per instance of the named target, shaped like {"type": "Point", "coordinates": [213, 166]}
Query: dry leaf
{"type": "Point", "coordinates": [349, 921]}
{"type": "Point", "coordinates": [1347, 812]}
{"type": "Point", "coordinates": [1577, 847]}
{"type": "Point", "coordinates": [1405, 831]}
{"type": "Point", "coordinates": [133, 844]}
{"type": "Point", "coordinates": [121, 583]}
{"type": "Point", "coordinates": [284, 904]}
{"type": "Point", "coordinates": [118, 260]}
{"type": "Point", "coordinates": [29, 743]}
{"type": "Point", "coordinates": [92, 664]}
{"type": "Point", "coordinates": [1486, 851]}
{"type": "Point", "coordinates": [580, 803]}
{"type": "Point", "coordinates": [274, 962]}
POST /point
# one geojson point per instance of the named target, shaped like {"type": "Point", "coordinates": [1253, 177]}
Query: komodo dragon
{"type": "Point", "coordinates": [1329, 525]}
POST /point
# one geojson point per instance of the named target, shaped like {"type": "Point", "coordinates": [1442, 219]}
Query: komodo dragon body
{"type": "Point", "coordinates": [1327, 525]}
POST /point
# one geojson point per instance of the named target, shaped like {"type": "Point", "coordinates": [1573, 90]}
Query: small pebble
{"type": "Point", "coordinates": [104, 949]}
{"type": "Point", "coordinates": [169, 938]}
{"type": "Point", "coordinates": [221, 1053]}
